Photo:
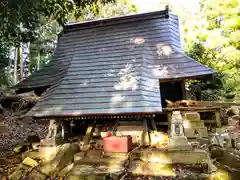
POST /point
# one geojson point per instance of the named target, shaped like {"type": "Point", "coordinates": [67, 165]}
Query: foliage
{"type": "Point", "coordinates": [214, 41]}
{"type": "Point", "coordinates": [20, 19]}
{"type": "Point", "coordinates": [37, 22]}
{"type": "Point", "coordinates": [120, 7]}
{"type": "Point", "coordinates": [43, 47]}
{"type": "Point", "coordinates": [4, 59]}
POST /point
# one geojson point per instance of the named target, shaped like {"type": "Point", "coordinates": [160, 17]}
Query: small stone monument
{"type": "Point", "coordinates": [178, 140]}
{"type": "Point", "coordinates": [193, 126]}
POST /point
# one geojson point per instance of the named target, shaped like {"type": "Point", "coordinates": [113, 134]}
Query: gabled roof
{"type": "Point", "coordinates": [114, 66]}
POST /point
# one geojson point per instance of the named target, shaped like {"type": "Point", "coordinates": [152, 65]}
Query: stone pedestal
{"type": "Point", "coordinates": [178, 140]}
{"type": "Point", "coordinates": [193, 126]}
{"type": "Point", "coordinates": [179, 143]}
{"type": "Point", "coordinates": [52, 142]}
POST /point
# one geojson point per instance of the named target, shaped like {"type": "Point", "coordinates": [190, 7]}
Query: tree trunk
{"type": "Point", "coordinates": [20, 61]}
{"type": "Point", "coordinates": [15, 76]}
{"type": "Point", "coordinates": [38, 60]}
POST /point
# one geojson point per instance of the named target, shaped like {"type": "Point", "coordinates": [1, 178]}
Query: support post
{"type": "Point", "coordinates": [169, 118]}
{"type": "Point", "coordinates": [88, 136]}
{"type": "Point", "coordinates": [218, 118]}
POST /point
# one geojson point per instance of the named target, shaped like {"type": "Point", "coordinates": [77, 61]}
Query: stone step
{"type": "Point", "coordinates": [196, 156]}
{"type": "Point", "coordinates": [192, 116]}
{"type": "Point", "coordinates": [193, 124]}
{"type": "Point", "coordinates": [195, 132]}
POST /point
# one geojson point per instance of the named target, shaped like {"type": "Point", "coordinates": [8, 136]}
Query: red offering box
{"type": "Point", "coordinates": [117, 144]}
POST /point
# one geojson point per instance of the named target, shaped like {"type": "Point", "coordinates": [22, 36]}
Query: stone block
{"type": "Point", "coordinates": [192, 116]}
{"type": "Point", "coordinates": [47, 153]}
{"type": "Point", "coordinates": [156, 157]}
{"type": "Point", "coordinates": [195, 156]}
{"type": "Point", "coordinates": [202, 132]}
{"type": "Point", "coordinates": [220, 130]}
{"type": "Point", "coordinates": [94, 154]}
{"type": "Point", "coordinates": [19, 172]}
{"type": "Point", "coordinates": [190, 157]}
{"type": "Point", "coordinates": [216, 152]}
{"type": "Point", "coordinates": [63, 158]}
{"type": "Point", "coordinates": [52, 142]}
{"type": "Point", "coordinates": [82, 169]}
{"type": "Point", "coordinates": [66, 170]}
{"type": "Point", "coordinates": [150, 169]}
{"type": "Point", "coordinates": [179, 143]}
{"type": "Point", "coordinates": [193, 124]}
{"type": "Point", "coordinates": [195, 132]}
{"type": "Point", "coordinates": [30, 162]}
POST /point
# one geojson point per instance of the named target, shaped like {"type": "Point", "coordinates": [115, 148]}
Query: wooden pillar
{"type": "Point", "coordinates": [169, 117]}
{"type": "Point", "coordinates": [218, 117]}
{"type": "Point", "coordinates": [153, 124]}
{"type": "Point", "coordinates": [88, 135]}
{"type": "Point", "coordinates": [146, 136]}
{"type": "Point", "coordinates": [184, 93]}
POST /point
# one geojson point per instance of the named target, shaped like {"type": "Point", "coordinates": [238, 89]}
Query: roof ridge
{"type": "Point", "coordinates": [164, 12]}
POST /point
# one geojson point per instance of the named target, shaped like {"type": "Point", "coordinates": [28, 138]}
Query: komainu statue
{"type": "Point", "coordinates": [55, 130]}
{"type": "Point", "coordinates": [177, 124]}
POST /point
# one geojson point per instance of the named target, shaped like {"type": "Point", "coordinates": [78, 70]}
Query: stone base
{"type": "Point", "coordinates": [191, 132]}
{"type": "Point", "coordinates": [165, 158]}
{"type": "Point", "coordinates": [52, 142]}
{"type": "Point", "coordinates": [193, 124]}
{"type": "Point", "coordinates": [150, 169]}
{"type": "Point", "coordinates": [178, 143]}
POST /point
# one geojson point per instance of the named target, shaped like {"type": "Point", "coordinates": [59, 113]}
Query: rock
{"type": "Point", "coordinates": [66, 170]}
{"type": "Point", "coordinates": [78, 156]}
{"type": "Point", "coordinates": [63, 158]}
{"type": "Point", "coordinates": [30, 162]}
{"type": "Point", "coordinates": [82, 169]}
{"type": "Point", "coordinates": [48, 153]}
{"type": "Point", "coordinates": [232, 111]}
{"type": "Point", "coordinates": [216, 151]}
{"type": "Point", "coordinates": [19, 172]}
{"type": "Point", "coordinates": [36, 155]}
{"type": "Point", "coordinates": [35, 175]}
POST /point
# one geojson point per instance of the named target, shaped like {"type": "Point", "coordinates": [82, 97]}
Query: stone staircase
{"type": "Point", "coordinates": [193, 126]}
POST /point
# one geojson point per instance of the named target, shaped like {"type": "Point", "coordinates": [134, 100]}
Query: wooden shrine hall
{"type": "Point", "coordinates": [121, 67]}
